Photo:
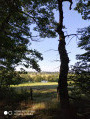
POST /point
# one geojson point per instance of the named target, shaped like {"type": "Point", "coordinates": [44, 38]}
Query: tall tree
{"type": "Point", "coordinates": [82, 67]}
{"type": "Point", "coordinates": [84, 42]}
{"type": "Point", "coordinates": [62, 83]}
{"type": "Point", "coordinates": [67, 111]}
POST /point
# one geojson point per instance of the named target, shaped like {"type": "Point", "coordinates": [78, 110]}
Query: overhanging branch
{"type": "Point", "coordinates": [72, 35]}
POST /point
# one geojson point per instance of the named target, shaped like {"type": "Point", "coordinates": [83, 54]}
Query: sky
{"type": "Point", "coordinates": [49, 46]}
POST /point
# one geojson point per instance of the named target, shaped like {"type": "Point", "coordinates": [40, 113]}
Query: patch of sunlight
{"type": "Point", "coordinates": [45, 91]}
{"type": "Point", "coordinates": [70, 82]}
{"type": "Point", "coordinates": [39, 106]}
{"type": "Point", "coordinates": [52, 104]}
{"type": "Point", "coordinates": [48, 91]}
{"type": "Point", "coordinates": [35, 84]}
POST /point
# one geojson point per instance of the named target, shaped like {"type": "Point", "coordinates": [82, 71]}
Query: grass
{"type": "Point", "coordinates": [41, 91]}
{"type": "Point", "coordinates": [35, 84]}
{"type": "Point", "coordinates": [44, 99]}
{"type": "Point", "coordinates": [39, 84]}
{"type": "Point", "coordinates": [45, 104]}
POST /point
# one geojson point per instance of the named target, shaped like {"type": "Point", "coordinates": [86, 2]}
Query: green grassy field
{"type": "Point", "coordinates": [44, 99]}
{"type": "Point", "coordinates": [35, 84]}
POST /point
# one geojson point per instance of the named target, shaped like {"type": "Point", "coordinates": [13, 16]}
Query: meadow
{"type": "Point", "coordinates": [44, 103]}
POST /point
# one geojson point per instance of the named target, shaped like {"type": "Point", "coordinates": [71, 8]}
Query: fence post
{"type": "Point", "coordinates": [31, 93]}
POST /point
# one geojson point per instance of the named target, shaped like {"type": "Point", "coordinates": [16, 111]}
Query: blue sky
{"type": "Point", "coordinates": [72, 21]}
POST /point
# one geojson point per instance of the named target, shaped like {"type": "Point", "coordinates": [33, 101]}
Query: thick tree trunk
{"type": "Point", "coordinates": [62, 83]}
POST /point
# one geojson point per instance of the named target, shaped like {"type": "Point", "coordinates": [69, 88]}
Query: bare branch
{"type": "Point", "coordinates": [37, 40]}
{"type": "Point", "coordinates": [70, 40]}
{"type": "Point", "coordinates": [56, 60]}
{"type": "Point", "coordinates": [50, 50]}
{"type": "Point", "coordinates": [72, 35]}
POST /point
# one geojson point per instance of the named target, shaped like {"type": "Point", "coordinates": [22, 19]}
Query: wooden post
{"type": "Point", "coordinates": [31, 93]}
{"type": "Point", "coordinates": [25, 91]}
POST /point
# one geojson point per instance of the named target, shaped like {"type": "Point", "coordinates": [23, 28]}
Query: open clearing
{"type": "Point", "coordinates": [44, 103]}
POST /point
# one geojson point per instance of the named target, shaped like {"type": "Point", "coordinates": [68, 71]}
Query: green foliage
{"type": "Point", "coordinates": [82, 67]}
{"type": "Point", "coordinates": [83, 7]}
{"type": "Point", "coordinates": [82, 78]}
{"type": "Point", "coordinates": [26, 78]}
{"type": "Point", "coordinates": [53, 78]}
{"type": "Point", "coordinates": [16, 18]}
{"type": "Point", "coordinates": [31, 77]}
{"type": "Point", "coordinates": [41, 14]}
{"type": "Point", "coordinates": [9, 77]}
{"type": "Point", "coordinates": [14, 37]}
{"type": "Point", "coordinates": [84, 43]}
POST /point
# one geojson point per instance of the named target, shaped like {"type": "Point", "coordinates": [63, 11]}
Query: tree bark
{"type": "Point", "coordinates": [62, 82]}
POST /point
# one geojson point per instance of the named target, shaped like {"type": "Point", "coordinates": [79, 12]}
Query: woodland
{"type": "Point", "coordinates": [65, 94]}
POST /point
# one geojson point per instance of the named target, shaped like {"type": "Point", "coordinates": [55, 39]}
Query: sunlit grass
{"type": "Point", "coordinates": [45, 102]}
{"type": "Point", "coordinates": [48, 91]}
{"type": "Point", "coordinates": [44, 99]}
{"type": "Point", "coordinates": [39, 84]}
{"type": "Point", "coordinates": [39, 106]}
{"type": "Point", "coordinates": [35, 84]}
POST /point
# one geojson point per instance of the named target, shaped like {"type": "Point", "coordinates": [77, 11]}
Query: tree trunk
{"type": "Point", "coordinates": [62, 83]}
{"type": "Point", "coordinates": [67, 111]}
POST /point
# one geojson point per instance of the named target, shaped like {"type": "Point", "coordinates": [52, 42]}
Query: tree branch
{"type": "Point", "coordinates": [72, 35]}
{"type": "Point", "coordinates": [50, 50]}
